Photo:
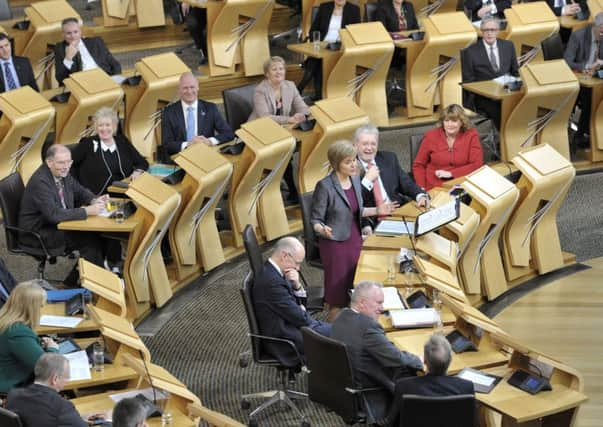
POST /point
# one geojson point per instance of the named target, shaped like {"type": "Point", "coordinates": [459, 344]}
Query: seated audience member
{"type": "Point", "coordinates": [396, 16]}
{"type": "Point", "coordinates": [479, 9]}
{"type": "Point", "coordinates": [331, 17]}
{"type": "Point", "coordinates": [382, 177]}
{"type": "Point", "coordinates": [16, 70]}
{"type": "Point", "coordinates": [275, 298]}
{"type": "Point", "coordinates": [487, 59]}
{"type": "Point", "coordinates": [583, 54]}
{"type": "Point", "coordinates": [40, 404]}
{"type": "Point", "coordinates": [51, 196]}
{"type": "Point", "coordinates": [450, 150]}
{"type": "Point", "coordinates": [106, 157]}
{"type": "Point", "coordinates": [196, 23]}
{"type": "Point", "coordinates": [337, 218]}
{"type": "Point", "coordinates": [75, 53]}
{"type": "Point", "coordinates": [129, 412]}
{"type": "Point", "coordinates": [191, 120]}
{"type": "Point", "coordinates": [20, 347]}
{"type": "Point", "coordinates": [437, 355]}
{"type": "Point", "coordinates": [375, 360]}
{"type": "Point", "coordinates": [564, 7]}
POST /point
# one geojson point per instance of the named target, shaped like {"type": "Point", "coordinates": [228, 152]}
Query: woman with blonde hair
{"type": "Point", "coordinates": [20, 347]}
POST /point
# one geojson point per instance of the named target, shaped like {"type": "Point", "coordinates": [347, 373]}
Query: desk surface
{"type": "Point", "coordinates": [307, 49]}
{"type": "Point", "coordinates": [588, 81]}
{"type": "Point", "coordinates": [372, 265]}
{"type": "Point", "coordinates": [489, 89]}
{"type": "Point", "coordinates": [58, 309]}
{"type": "Point", "coordinates": [112, 373]}
{"type": "Point", "coordinates": [99, 223]}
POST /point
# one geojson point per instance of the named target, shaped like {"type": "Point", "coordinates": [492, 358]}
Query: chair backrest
{"type": "Point", "coordinates": [254, 255]}
{"type": "Point", "coordinates": [437, 411]}
{"type": "Point", "coordinates": [330, 373]}
{"type": "Point", "coordinates": [552, 47]}
{"type": "Point", "coordinates": [310, 240]}
{"type": "Point", "coordinates": [9, 418]}
{"type": "Point", "coordinates": [369, 12]}
{"type": "Point", "coordinates": [5, 12]}
{"type": "Point", "coordinates": [415, 143]}
{"type": "Point", "coordinates": [238, 104]}
{"type": "Point", "coordinates": [254, 328]}
{"type": "Point", "coordinates": [11, 192]}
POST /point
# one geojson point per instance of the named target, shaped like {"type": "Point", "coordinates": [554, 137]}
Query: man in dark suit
{"type": "Point", "coordinates": [129, 412]}
{"type": "Point", "coordinates": [487, 59]}
{"type": "Point", "coordinates": [478, 9]}
{"type": "Point", "coordinates": [437, 355]}
{"type": "Point", "coordinates": [192, 120]}
{"type": "Point", "coordinates": [75, 53]}
{"type": "Point", "coordinates": [584, 54]}
{"type": "Point", "coordinates": [276, 292]}
{"type": "Point", "coordinates": [383, 179]}
{"type": "Point", "coordinates": [16, 70]}
{"type": "Point", "coordinates": [51, 196]}
{"type": "Point", "coordinates": [40, 404]}
{"type": "Point", "coordinates": [376, 361]}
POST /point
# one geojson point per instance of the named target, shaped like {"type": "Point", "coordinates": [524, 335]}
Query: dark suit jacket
{"type": "Point", "coordinates": [99, 52]}
{"type": "Point", "coordinates": [386, 14]}
{"type": "Point", "coordinates": [397, 183]}
{"type": "Point", "coordinates": [41, 406]}
{"type": "Point", "coordinates": [473, 6]}
{"type": "Point", "coordinates": [279, 315]}
{"type": "Point", "coordinates": [376, 361]}
{"type": "Point", "coordinates": [7, 281]}
{"type": "Point", "coordinates": [264, 103]}
{"type": "Point", "coordinates": [476, 66]}
{"type": "Point", "coordinates": [209, 123]}
{"type": "Point", "coordinates": [91, 170]}
{"type": "Point", "coordinates": [577, 51]}
{"type": "Point", "coordinates": [428, 385]}
{"type": "Point", "coordinates": [41, 208]}
{"type": "Point", "coordinates": [331, 207]}
{"type": "Point", "coordinates": [350, 15]}
{"type": "Point", "coordinates": [24, 74]}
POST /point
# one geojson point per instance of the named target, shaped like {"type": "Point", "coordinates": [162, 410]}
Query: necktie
{"type": "Point", "coordinates": [190, 123]}
{"type": "Point", "coordinates": [10, 78]}
{"type": "Point", "coordinates": [62, 193]}
{"type": "Point", "coordinates": [493, 60]}
{"type": "Point", "coordinates": [377, 191]}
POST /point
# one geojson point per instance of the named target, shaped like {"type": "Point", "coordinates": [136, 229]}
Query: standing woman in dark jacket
{"type": "Point", "coordinates": [105, 157]}
{"type": "Point", "coordinates": [331, 17]}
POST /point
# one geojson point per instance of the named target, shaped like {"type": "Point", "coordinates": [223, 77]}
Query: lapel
{"type": "Point", "coordinates": [2, 85]}
{"type": "Point", "coordinates": [201, 121]}
{"type": "Point", "coordinates": [486, 55]}
{"type": "Point", "coordinates": [276, 273]}
{"type": "Point", "coordinates": [180, 122]}
{"type": "Point", "coordinates": [339, 189]}
{"type": "Point", "coordinates": [358, 191]}
{"type": "Point", "coordinates": [383, 171]}
{"type": "Point", "coordinates": [287, 97]}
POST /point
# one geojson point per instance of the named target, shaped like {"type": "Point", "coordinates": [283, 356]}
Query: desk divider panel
{"type": "Point", "coordinates": [107, 286]}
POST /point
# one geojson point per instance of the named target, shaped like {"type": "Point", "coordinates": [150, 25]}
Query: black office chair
{"type": "Point", "coordinates": [252, 249]}
{"type": "Point", "coordinates": [552, 47]}
{"type": "Point", "coordinates": [238, 104]}
{"type": "Point", "coordinates": [369, 12]}
{"type": "Point", "coordinates": [438, 411]}
{"type": "Point", "coordinates": [331, 379]}
{"type": "Point", "coordinates": [282, 394]}
{"type": "Point", "coordinates": [415, 143]}
{"type": "Point", "coordinates": [11, 192]}
{"type": "Point", "coordinates": [9, 418]}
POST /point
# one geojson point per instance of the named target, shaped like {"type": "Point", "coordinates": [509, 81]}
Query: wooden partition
{"type": "Point", "coordinates": [149, 13]}
{"type": "Point", "coordinates": [105, 285]}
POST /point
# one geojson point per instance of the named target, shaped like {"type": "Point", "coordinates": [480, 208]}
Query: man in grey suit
{"type": "Point", "coordinates": [376, 361]}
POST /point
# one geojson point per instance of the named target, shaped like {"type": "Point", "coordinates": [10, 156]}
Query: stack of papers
{"type": "Point", "coordinates": [394, 228]}
{"type": "Point", "coordinates": [60, 321]}
{"type": "Point", "coordinates": [392, 300]}
{"type": "Point", "coordinates": [79, 367]}
{"type": "Point", "coordinates": [414, 318]}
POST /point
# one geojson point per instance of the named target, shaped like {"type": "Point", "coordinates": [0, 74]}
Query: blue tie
{"type": "Point", "coordinates": [190, 123]}
{"type": "Point", "coordinates": [10, 79]}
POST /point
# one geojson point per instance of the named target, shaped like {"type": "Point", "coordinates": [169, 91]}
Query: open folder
{"type": "Point", "coordinates": [414, 318]}
{"type": "Point", "coordinates": [425, 223]}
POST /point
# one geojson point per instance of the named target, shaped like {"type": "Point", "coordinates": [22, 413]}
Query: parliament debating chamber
{"type": "Point", "coordinates": [509, 264]}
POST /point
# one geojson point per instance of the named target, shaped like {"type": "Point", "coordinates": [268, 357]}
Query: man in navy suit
{"type": "Point", "coordinates": [487, 59]}
{"type": "Point", "coordinates": [192, 120]}
{"type": "Point", "coordinates": [437, 355]}
{"type": "Point", "coordinates": [382, 169]}
{"type": "Point", "coordinates": [275, 295]}
{"type": "Point", "coordinates": [16, 71]}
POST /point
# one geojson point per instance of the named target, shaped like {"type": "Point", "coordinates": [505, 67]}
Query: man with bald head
{"type": "Point", "coordinates": [277, 308]}
{"type": "Point", "coordinates": [191, 120]}
{"type": "Point", "coordinates": [52, 196]}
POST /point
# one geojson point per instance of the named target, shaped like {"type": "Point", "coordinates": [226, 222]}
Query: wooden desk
{"type": "Point", "coordinates": [99, 223]}
{"type": "Point", "coordinates": [58, 309]}
{"type": "Point", "coordinates": [112, 373]}
{"type": "Point", "coordinates": [328, 57]}
{"type": "Point", "coordinates": [372, 265]}
{"type": "Point", "coordinates": [446, 315]}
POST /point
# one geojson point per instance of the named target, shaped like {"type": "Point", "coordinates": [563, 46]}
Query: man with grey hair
{"type": "Point", "coordinates": [129, 412]}
{"type": "Point", "coordinates": [277, 308]}
{"type": "Point", "coordinates": [382, 177]}
{"type": "Point", "coordinates": [376, 361]}
{"type": "Point", "coordinates": [438, 355]}
{"type": "Point", "coordinates": [40, 404]}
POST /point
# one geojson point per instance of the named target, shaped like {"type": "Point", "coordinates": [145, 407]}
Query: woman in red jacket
{"type": "Point", "coordinates": [451, 150]}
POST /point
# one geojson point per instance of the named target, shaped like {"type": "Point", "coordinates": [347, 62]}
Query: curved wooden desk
{"type": "Point", "coordinates": [149, 13]}
{"type": "Point", "coordinates": [106, 286]}
{"type": "Point", "coordinates": [327, 57]}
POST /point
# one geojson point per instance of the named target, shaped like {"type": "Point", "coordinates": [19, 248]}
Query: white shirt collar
{"type": "Point", "coordinates": [185, 105]}
{"type": "Point", "coordinates": [109, 148]}
{"type": "Point", "coordinates": [494, 45]}
{"type": "Point", "coordinates": [275, 266]}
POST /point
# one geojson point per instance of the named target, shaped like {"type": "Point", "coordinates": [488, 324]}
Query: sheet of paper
{"type": "Point", "coordinates": [79, 366]}
{"type": "Point", "coordinates": [414, 317]}
{"type": "Point", "coordinates": [146, 392]}
{"type": "Point", "coordinates": [392, 299]}
{"type": "Point", "coordinates": [435, 218]}
{"type": "Point", "coordinates": [118, 78]}
{"type": "Point", "coordinates": [476, 377]}
{"type": "Point", "coordinates": [60, 321]}
{"type": "Point", "coordinates": [503, 80]}
{"type": "Point", "coordinates": [394, 228]}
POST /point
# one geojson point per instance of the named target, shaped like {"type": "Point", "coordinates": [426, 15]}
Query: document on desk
{"type": "Point", "coordinates": [394, 228]}
{"type": "Point", "coordinates": [483, 383]}
{"type": "Point", "coordinates": [414, 318]}
{"type": "Point", "coordinates": [435, 218]}
{"type": "Point", "coordinates": [392, 300]}
{"type": "Point", "coordinates": [59, 321]}
{"type": "Point", "coordinates": [146, 392]}
{"type": "Point", "coordinates": [79, 366]}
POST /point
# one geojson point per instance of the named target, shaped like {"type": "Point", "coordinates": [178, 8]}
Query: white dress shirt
{"type": "Point", "coordinates": [185, 106]}
{"type": "Point", "coordinates": [88, 63]}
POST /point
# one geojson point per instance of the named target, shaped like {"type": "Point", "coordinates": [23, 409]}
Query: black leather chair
{"type": "Point", "coordinates": [238, 104]}
{"type": "Point", "coordinates": [9, 418]}
{"type": "Point", "coordinates": [369, 12]}
{"type": "Point", "coordinates": [252, 249]}
{"type": "Point", "coordinates": [331, 378]}
{"type": "Point", "coordinates": [438, 411]}
{"type": "Point", "coordinates": [415, 144]}
{"type": "Point", "coordinates": [552, 47]}
{"type": "Point", "coordinates": [281, 394]}
{"type": "Point", "coordinates": [11, 192]}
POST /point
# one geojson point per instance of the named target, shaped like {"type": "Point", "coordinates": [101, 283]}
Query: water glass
{"type": "Point", "coordinates": [166, 419]}
{"type": "Point", "coordinates": [316, 40]}
{"type": "Point", "coordinates": [118, 213]}
{"type": "Point", "coordinates": [98, 356]}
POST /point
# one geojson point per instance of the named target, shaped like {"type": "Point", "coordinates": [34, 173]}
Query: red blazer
{"type": "Point", "coordinates": [465, 157]}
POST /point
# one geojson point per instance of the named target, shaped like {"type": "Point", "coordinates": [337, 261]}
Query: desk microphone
{"type": "Point", "coordinates": [146, 368]}
{"type": "Point", "coordinates": [410, 236]}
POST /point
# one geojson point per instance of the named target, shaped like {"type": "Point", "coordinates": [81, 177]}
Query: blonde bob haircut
{"type": "Point", "coordinates": [338, 151]}
{"type": "Point", "coordinates": [271, 61]}
{"type": "Point", "coordinates": [105, 113]}
{"type": "Point", "coordinates": [454, 112]}
{"type": "Point", "coordinates": [23, 305]}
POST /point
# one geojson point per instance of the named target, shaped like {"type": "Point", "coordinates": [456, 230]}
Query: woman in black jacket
{"type": "Point", "coordinates": [396, 16]}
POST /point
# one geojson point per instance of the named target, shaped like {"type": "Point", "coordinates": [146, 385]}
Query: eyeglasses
{"type": "Point", "coordinates": [63, 162]}
{"type": "Point", "coordinates": [489, 30]}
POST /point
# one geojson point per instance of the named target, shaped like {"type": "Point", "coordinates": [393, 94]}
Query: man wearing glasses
{"type": "Point", "coordinates": [276, 292]}
{"type": "Point", "coordinates": [486, 59]}
{"type": "Point", "coordinates": [51, 196]}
